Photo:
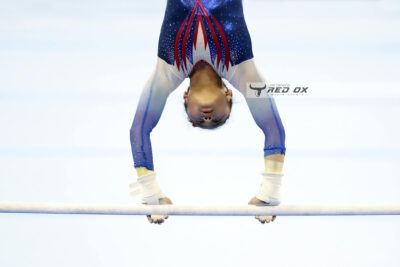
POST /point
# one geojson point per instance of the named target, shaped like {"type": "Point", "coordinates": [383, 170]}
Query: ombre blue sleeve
{"type": "Point", "coordinates": [263, 109]}
{"type": "Point", "coordinates": [161, 83]}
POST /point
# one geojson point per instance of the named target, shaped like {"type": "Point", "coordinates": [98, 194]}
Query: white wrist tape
{"type": "Point", "coordinates": [270, 188]}
{"type": "Point", "coordinates": [149, 189]}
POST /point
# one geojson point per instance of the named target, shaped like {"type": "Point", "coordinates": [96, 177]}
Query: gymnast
{"type": "Point", "coordinates": [205, 41]}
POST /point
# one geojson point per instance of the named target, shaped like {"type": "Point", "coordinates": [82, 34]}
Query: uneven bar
{"type": "Point", "coordinates": [245, 210]}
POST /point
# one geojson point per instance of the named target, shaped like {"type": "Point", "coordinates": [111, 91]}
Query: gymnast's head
{"type": "Point", "coordinates": [208, 102]}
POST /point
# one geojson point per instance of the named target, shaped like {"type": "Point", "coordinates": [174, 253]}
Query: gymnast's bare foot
{"type": "Point", "coordinates": [159, 219]}
{"type": "Point", "coordinates": [263, 219]}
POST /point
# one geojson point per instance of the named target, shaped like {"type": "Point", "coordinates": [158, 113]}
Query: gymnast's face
{"type": "Point", "coordinates": [208, 106]}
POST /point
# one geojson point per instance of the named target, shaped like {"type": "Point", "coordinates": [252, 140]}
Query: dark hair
{"type": "Point", "coordinates": [214, 126]}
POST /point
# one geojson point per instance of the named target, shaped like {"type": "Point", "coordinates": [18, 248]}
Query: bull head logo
{"type": "Point", "coordinates": [258, 89]}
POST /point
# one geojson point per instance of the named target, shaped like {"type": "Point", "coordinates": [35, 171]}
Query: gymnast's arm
{"type": "Point", "coordinates": [164, 80]}
{"type": "Point", "coordinates": [263, 110]}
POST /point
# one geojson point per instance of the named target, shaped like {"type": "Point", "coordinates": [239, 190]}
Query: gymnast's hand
{"type": "Point", "coordinates": [268, 194]}
{"type": "Point", "coordinates": [263, 219]}
{"type": "Point", "coordinates": [150, 193]}
{"type": "Point", "coordinates": [159, 219]}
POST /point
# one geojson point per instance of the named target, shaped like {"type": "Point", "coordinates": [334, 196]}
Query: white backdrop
{"type": "Point", "coordinates": [70, 77]}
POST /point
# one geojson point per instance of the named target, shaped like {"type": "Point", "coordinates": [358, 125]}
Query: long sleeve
{"type": "Point", "coordinates": [164, 80]}
{"type": "Point", "coordinates": [263, 109]}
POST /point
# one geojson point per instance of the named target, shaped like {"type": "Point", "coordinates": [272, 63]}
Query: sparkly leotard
{"type": "Point", "coordinates": [213, 31]}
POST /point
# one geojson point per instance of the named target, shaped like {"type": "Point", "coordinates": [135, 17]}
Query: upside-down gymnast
{"type": "Point", "coordinates": [205, 41]}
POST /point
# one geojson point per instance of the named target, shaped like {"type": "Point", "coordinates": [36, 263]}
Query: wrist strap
{"type": "Point", "coordinates": [148, 188]}
{"type": "Point", "coordinates": [270, 188]}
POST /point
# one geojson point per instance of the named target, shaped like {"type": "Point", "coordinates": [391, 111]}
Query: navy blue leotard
{"type": "Point", "coordinates": [213, 31]}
